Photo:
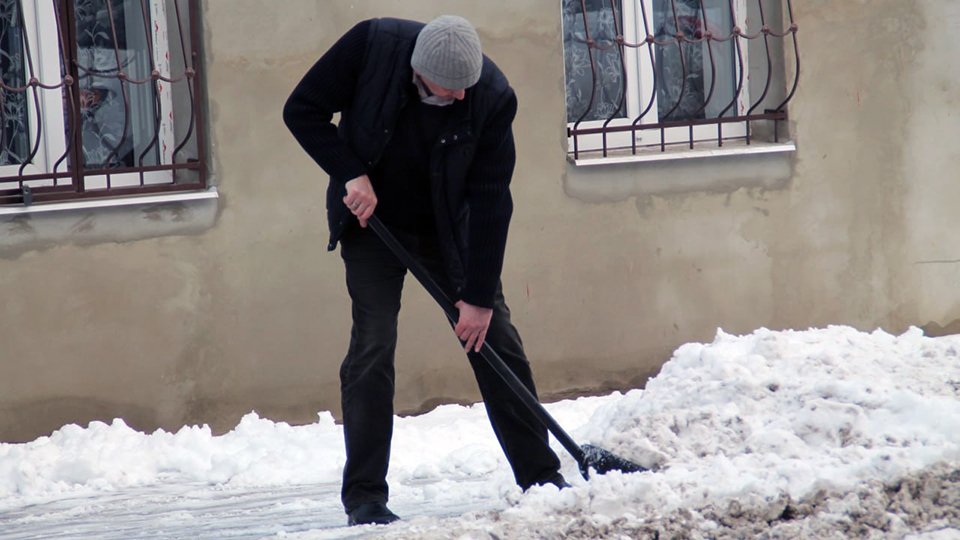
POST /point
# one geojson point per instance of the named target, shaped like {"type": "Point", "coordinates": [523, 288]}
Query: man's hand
{"type": "Point", "coordinates": [360, 198]}
{"type": "Point", "coordinates": [472, 325]}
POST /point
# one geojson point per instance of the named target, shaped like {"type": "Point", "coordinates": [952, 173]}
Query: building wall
{"type": "Point", "coordinates": [201, 312]}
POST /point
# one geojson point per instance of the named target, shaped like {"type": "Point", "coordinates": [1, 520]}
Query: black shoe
{"type": "Point", "coordinates": [556, 479]}
{"type": "Point", "coordinates": [375, 513]}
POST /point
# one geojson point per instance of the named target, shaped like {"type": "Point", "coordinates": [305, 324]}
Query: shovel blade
{"type": "Point", "coordinates": [603, 461]}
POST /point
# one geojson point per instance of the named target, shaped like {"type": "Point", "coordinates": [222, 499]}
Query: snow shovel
{"type": "Point", "coordinates": [587, 456]}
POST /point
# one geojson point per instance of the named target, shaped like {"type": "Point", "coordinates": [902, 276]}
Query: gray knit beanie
{"type": "Point", "coordinates": [448, 53]}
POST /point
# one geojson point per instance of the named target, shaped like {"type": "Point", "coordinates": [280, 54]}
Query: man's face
{"type": "Point", "coordinates": [442, 92]}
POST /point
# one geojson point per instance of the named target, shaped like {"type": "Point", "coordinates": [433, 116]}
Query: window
{"type": "Point", "coordinates": [661, 74]}
{"type": "Point", "coordinates": [98, 98]}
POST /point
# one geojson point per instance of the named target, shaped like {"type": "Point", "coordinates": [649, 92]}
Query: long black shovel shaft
{"type": "Point", "coordinates": [486, 351]}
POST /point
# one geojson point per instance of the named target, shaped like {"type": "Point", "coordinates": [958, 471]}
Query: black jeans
{"type": "Point", "coordinates": [375, 280]}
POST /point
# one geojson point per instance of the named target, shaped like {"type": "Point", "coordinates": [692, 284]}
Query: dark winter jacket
{"type": "Point", "coordinates": [471, 163]}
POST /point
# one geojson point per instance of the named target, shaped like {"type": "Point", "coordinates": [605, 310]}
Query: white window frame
{"type": "Point", "coordinates": [639, 81]}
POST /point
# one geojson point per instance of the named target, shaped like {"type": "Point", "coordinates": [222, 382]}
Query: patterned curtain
{"type": "Point", "coordinates": [608, 87]}
{"type": "Point", "coordinates": [679, 92]}
{"type": "Point", "coordinates": [13, 131]}
{"type": "Point", "coordinates": [102, 110]}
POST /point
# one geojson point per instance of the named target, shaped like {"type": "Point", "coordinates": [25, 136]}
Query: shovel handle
{"type": "Point", "coordinates": [486, 351]}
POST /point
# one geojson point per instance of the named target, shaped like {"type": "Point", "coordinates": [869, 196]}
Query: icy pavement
{"type": "Point", "coordinates": [827, 433]}
{"type": "Point", "coordinates": [175, 512]}
{"type": "Point", "coordinates": [201, 511]}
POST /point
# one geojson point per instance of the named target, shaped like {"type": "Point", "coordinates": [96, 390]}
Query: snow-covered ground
{"type": "Point", "coordinates": [825, 433]}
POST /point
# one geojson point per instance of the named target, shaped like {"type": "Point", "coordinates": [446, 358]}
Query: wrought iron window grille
{"type": "Point", "coordinates": [99, 98]}
{"type": "Point", "coordinates": [686, 72]}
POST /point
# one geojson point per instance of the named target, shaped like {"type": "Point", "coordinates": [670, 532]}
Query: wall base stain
{"type": "Point", "coordinates": [932, 329]}
{"type": "Point", "coordinates": [24, 422]}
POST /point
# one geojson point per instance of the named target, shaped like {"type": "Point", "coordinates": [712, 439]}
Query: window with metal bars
{"type": "Point", "coordinates": [99, 98]}
{"type": "Point", "coordinates": [645, 76]}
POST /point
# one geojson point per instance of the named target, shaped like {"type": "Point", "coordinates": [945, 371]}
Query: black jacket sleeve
{"type": "Point", "coordinates": [491, 206]}
{"type": "Point", "coordinates": [326, 89]}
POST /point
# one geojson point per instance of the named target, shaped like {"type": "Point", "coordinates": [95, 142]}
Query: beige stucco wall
{"type": "Point", "coordinates": [201, 312]}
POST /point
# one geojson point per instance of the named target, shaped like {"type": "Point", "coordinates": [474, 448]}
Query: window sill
{"type": "Point", "coordinates": [141, 200]}
{"type": "Point", "coordinates": [681, 152]}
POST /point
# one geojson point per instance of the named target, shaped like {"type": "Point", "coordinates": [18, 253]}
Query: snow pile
{"type": "Point", "coordinates": [111, 457]}
{"type": "Point", "coordinates": [787, 412]}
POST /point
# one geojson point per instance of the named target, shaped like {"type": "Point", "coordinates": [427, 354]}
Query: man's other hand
{"type": "Point", "coordinates": [472, 325]}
